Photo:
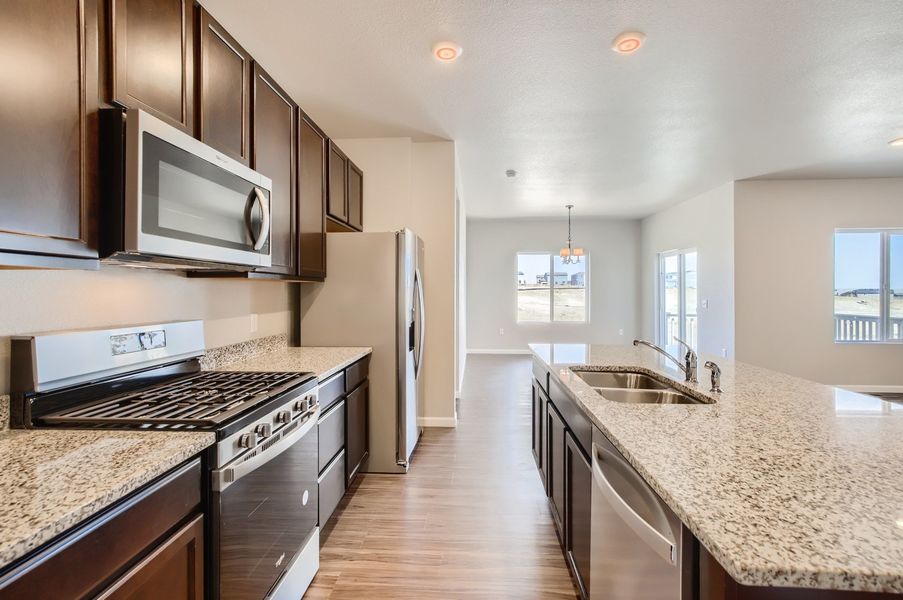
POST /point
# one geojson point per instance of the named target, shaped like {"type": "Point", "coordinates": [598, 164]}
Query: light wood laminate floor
{"type": "Point", "coordinates": [469, 520]}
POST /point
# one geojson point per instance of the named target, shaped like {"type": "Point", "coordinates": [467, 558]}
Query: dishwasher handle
{"type": "Point", "coordinates": [659, 543]}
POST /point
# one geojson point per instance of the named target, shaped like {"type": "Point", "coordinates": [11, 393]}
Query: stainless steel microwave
{"type": "Point", "coordinates": [171, 201]}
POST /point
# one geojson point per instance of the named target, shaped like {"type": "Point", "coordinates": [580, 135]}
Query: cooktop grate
{"type": "Point", "coordinates": [203, 400]}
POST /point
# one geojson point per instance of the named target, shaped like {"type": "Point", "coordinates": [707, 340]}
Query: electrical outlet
{"type": "Point", "coordinates": [501, 331]}
{"type": "Point", "coordinates": [253, 322]}
{"type": "Point", "coordinates": [620, 332]}
{"type": "Point", "coordinates": [724, 352]}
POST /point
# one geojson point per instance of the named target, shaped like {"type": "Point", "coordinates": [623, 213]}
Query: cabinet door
{"type": "Point", "coordinates": [357, 444]}
{"type": "Point", "coordinates": [311, 199]}
{"type": "Point", "coordinates": [153, 58]}
{"type": "Point", "coordinates": [578, 507]}
{"type": "Point", "coordinates": [48, 133]}
{"type": "Point", "coordinates": [173, 570]}
{"type": "Point", "coordinates": [536, 437]}
{"type": "Point", "coordinates": [555, 472]}
{"type": "Point", "coordinates": [273, 147]}
{"type": "Point", "coordinates": [355, 197]}
{"type": "Point", "coordinates": [338, 182]}
{"type": "Point", "coordinates": [224, 90]}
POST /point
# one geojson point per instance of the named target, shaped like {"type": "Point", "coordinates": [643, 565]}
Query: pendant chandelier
{"type": "Point", "coordinates": [570, 255]}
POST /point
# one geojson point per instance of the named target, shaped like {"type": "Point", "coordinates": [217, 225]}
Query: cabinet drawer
{"type": "Point", "coordinates": [541, 375]}
{"type": "Point", "coordinates": [77, 564]}
{"type": "Point", "coordinates": [331, 433]}
{"type": "Point", "coordinates": [331, 485]}
{"type": "Point", "coordinates": [357, 373]}
{"type": "Point", "coordinates": [331, 390]}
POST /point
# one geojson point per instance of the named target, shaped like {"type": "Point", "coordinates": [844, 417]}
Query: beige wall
{"type": "Point", "coordinates": [38, 301]}
{"type": "Point", "coordinates": [492, 247]}
{"type": "Point", "coordinates": [412, 184]}
{"type": "Point", "coordinates": [706, 223]}
{"type": "Point", "coordinates": [784, 265]}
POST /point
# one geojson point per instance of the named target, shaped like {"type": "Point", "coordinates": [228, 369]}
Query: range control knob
{"type": "Point", "coordinates": [284, 417]}
{"type": "Point", "coordinates": [301, 405]}
{"type": "Point", "coordinates": [264, 430]}
{"type": "Point", "coordinates": [247, 440]}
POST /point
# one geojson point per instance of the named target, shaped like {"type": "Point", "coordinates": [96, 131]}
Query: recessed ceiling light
{"type": "Point", "coordinates": [447, 51]}
{"type": "Point", "coordinates": [897, 142]}
{"type": "Point", "coordinates": [628, 42]}
{"type": "Point", "coordinates": [511, 173]}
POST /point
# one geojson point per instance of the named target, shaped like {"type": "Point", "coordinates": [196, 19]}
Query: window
{"type": "Point", "coordinates": [677, 316]}
{"type": "Point", "coordinates": [549, 290]}
{"type": "Point", "coordinates": [868, 285]}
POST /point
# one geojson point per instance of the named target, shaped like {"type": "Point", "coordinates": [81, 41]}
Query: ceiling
{"type": "Point", "coordinates": [722, 90]}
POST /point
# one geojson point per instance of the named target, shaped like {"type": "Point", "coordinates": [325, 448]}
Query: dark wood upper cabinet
{"type": "Point", "coordinates": [224, 90]}
{"type": "Point", "coordinates": [355, 197]}
{"type": "Point", "coordinates": [273, 127]}
{"type": "Point", "coordinates": [48, 135]}
{"type": "Point", "coordinates": [312, 148]}
{"type": "Point", "coordinates": [338, 183]}
{"type": "Point", "coordinates": [152, 64]}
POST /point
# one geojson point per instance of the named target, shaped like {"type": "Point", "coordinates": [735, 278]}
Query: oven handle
{"type": "Point", "coordinates": [226, 476]}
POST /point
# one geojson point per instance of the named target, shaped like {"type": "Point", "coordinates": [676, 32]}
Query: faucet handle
{"type": "Point", "coordinates": [716, 376]}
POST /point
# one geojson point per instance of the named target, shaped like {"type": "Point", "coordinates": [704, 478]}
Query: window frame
{"type": "Point", "coordinates": [661, 303]}
{"type": "Point", "coordinates": [884, 319]}
{"type": "Point", "coordinates": [551, 320]}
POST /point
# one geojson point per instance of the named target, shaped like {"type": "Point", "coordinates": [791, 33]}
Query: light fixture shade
{"type": "Point", "coordinates": [565, 252]}
{"type": "Point", "coordinates": [578, 251]}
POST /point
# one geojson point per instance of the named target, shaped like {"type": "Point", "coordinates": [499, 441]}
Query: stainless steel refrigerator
{"type": "Point", "coordinates": [373, 296]}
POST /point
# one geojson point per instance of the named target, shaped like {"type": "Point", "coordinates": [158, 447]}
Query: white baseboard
{"type": "Point", "coordinates": [871, 389]}
{"type": "Point", "coordinates": [437, 421]}
{"type": "Point", "coordinates": [499, 351]}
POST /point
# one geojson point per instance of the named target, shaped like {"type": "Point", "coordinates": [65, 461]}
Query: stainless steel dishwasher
{"type": "Point", "coordinates": [636, 539]}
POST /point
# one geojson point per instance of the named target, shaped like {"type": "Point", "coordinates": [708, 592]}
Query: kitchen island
{"type": "Point", "coordinates": [786, 483]}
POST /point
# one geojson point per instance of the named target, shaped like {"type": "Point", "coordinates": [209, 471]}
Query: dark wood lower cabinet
{"type": "Point", "coordinates": [120, 551]}
{"type": "Point", "coordinates": [578, 493]}
{"type": "Point", "coordinates": [357, 416]}
{"type": "Point", "coordinates": [555, 471]}
{"type": "Point", "coordinates": [173, 570]}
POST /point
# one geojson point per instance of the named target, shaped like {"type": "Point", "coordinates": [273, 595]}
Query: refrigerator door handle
{"type": "Point", "coordinates": [418, 282]}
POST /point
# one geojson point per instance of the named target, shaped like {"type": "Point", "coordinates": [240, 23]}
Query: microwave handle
{"type": "Point", "coordinates": [264, 233]}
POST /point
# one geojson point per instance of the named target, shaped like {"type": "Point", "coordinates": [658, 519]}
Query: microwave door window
{"type": "Point", "coordinates": [187, 198]}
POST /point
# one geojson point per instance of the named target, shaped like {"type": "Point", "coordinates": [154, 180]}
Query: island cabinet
{"type": "Point", "coordinates": [562, 440]}
{"type": "Point", "coordinates": [148, 545]}
{"type": "Point", "coordinates": [343, 433]}
{"type": "Point", "coordinates": [152, 52]}
{"type": "Point", "coordinates": [48, 135]}
{"type": "Point", "coordinates": [345, 205]}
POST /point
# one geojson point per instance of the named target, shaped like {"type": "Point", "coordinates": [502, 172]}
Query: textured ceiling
{"type": "Point", "coordinates": [722, 90]}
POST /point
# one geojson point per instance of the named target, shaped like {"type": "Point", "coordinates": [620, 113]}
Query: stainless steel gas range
{"type": "Point", "coordinates": [262, 534]}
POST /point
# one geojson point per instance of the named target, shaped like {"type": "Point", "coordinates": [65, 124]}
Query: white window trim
{"type": "Point", "coordinates": [883, 297]}
{"type": "Point", "coordinates": [551, 320]}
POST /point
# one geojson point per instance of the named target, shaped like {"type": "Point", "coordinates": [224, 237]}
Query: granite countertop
{"type": "Point", "coordinates": [785, 481]}
{"type": "Point", "coordinates": [322, 360]}
{"type": "Point", "coordinates": [52, 480]}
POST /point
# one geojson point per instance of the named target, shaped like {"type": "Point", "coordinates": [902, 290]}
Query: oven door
{"type": "Point", "coordinates": [264, 506]}
{"type": "Point", "coordinates": [186, 200]}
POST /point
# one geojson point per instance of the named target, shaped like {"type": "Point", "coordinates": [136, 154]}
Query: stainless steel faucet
{"type": "Point", "coordinates": [689, 364]}
{"type": "Point", "coordinates": [716, 376]}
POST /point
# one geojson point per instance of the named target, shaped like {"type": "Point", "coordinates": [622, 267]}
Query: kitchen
{"type": "Point", "coordinates": [265, 338]}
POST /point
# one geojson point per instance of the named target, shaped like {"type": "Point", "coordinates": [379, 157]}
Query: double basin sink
{"type": "Point", "coordinates": [634, 388]}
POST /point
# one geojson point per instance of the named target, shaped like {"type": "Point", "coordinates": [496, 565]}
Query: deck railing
{"type": "Point", "coordinates": [864, 328]}
{"type": "Point", "coordinates": [672, 329]}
